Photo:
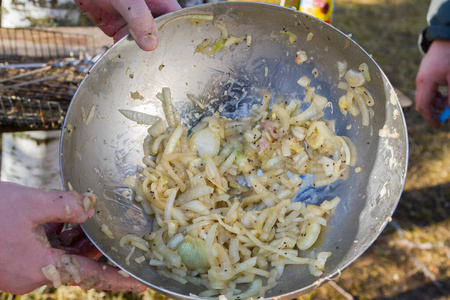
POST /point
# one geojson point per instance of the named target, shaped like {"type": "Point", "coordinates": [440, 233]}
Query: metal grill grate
{"type": "Point", "coordinates": [34, 43]}
{"type": "Point", "coordinates": [23, 112]}
{"type": "Point", "coordinates": [39, 74]}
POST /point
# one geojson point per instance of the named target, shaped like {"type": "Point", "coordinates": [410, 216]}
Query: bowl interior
{"type": "Point", "coordinates": [102, 148]}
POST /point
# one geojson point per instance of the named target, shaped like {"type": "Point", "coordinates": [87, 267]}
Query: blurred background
{"type": "Point", "coordinates": [46, 47]}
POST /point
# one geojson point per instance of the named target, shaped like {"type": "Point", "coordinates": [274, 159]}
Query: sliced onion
{"type": "Point", "coordinates": [355, 78]}
{"type": "Point", "coordinates": [321, 259]}
{"type": "Point", "coordinates": [342, 68]}
{"type": "Point", "coordinates": [253, 290]}
{"type": "Point", "coordinates": [364, 68]}
{"type": "Point", "coordinates": [139, 117]}
{"type": "Point", "coordinates": [207, 141]}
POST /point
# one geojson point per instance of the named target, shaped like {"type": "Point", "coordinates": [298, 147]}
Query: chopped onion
{"type": "Point", "coordinates": [192, 253]}
{"type": "Point", "coordinates": [304, 81]}
{"type": "Point", "coordinates": [139, 117]}
{"type": "Point", "coordinates": [222, 29]}
{"type": "Point", "coordinates": [342, 68]}
{"type": "Point", "coordinates": [364, 68]}
{"type": "Point", "coordinates": [194, 19]}
{"type": "Point", "coordinates": [292, 36]}
{"type": "Point", "coordinates": [331, 204]}
{"type": "Point", "coordinates": [221, 200]}
{"type": "Point", "coordinates": [105, 229]}
{"type": "Point", "coordinates": [158, 128]}
{"type": "Point", "coordinates": [343, 85]}
{"type": "Point", "coordinates": [173, 140]}
{"type": "Point", "coordinates": [313, 112]}
{"type": "Point", "coordinates": [140, 259]}
{"type": "Point", "coordinates": [175, 241]}
{"type": "Point", "coordinates": [310, 236]}
{"type": "Point", "coordinates": [207, 141]}
{"type": "Point", "coordinates": [233, 40]}
{"type": "Point", "coordinates": [52, 274]}
{"type": "Point", "coordinates": [252, 291]}
{"type": "Point", "coordinates": [355, 78]}
{"type": "Point", "coordinates": [135, 241]}
{"type": "Point", "coordinates": [301, 57]}
{"type": "Point", "coordinates": [321, 259]}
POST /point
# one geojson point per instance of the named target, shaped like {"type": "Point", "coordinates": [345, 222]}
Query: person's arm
{"type": "Point", "coordinates": [116, 18]}
{"type": "Point", "coordinates": [434, 70]}
{"type": "Point", "coordinates": [27, 258]}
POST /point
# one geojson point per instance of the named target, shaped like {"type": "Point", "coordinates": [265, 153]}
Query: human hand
{"type": "Point", "coordinates": [434, 71]}
{"type": "Point", "coordinates": [72, 240]}
{"type": "Point", "coordinates": [118, 17]}
{"type": "Point", "coordinates": [28, 261]}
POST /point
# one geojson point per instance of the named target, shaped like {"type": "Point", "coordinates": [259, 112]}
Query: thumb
{"type": "Point", "coordinates": [87, 273]}
{"type": "Point", "coordinates": [40, 206]}
{"type": "Point", "coordinates": [140, 21]}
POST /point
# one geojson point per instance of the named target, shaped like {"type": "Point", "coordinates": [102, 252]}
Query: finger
{"type": "Point", "coordinates": [87, 273]}
{"type": "Point", "coordinates": [425, 92]}
{"type": "Point", "coordinates": [52, 232]}
{"type": "Point", "coordinates": [87, 249]}
{"type": "Point", "coordinates": [105, 277]}
{"type": "Point", "coordinates": [75, 241]}
{"type": "Point", "coordinates": [440, 101]}
{"type": "Point", "coordinates": [53, 229]}
{"type": "Point", "coordinates": [71, 236]}
{"type": "Point", "coordinates": [121, 33]}
{"type": "Point", "coordinates": [42, 207]}
{"type": "Point", "coordinates": [104, 16]}
{"type": "Point", "coordinates": [159, 8]}
{"type": "Point", "coordinates": [83, 247]}
{"type": "Point", "coordinates": [140, 22]}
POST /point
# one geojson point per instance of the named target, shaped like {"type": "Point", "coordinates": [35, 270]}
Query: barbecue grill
{"type": "Point", "coordinates": [39, 73]}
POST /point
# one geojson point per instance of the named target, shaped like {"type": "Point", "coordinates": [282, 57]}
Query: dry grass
{"type": "Point", "coordinates": [411, 259]}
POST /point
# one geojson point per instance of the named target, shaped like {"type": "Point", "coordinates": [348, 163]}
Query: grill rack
{"type": "Point", "coordinates": [34, 114]}
{"type": "Point", "coordinates": [39, 74]}
{"type": "Point", "coordinates": [37, 43]}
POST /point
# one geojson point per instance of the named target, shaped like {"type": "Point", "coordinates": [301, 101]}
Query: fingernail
{"type": "Point", "coordinates": [138, 288]}
{"type": "Point", "coordinates": [148, 42]}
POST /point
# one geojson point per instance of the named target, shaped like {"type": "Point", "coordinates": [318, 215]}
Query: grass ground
{"type": "Point", "coordinates": [411, 259]}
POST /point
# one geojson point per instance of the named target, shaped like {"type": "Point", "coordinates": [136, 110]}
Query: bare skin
{"type": "Point", "coordinates": [116, 18]}
{"type": "Point", "coordinates": [433, 73]}
{"type": "Point", "coordinates": [25, 249]}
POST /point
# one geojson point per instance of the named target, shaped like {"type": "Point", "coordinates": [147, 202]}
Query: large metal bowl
{"type": "Point", "coordinates": [102, 153]}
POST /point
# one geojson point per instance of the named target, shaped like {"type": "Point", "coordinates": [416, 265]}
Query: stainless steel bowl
{"type": "Point", "coordinates": [102, 148]}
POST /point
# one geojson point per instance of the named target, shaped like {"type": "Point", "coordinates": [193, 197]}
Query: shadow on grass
{"type": "Point", "coordinates": [428, 289]}
{"type": "Point", "coordinates": [426, 198]}
{"type": "Point", "coordinates": [424, 207]}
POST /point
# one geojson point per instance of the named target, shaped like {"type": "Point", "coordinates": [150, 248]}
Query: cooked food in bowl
{"type": "Point", "coordinates": [241, 158]}
{"type": "Point", "coordinates": [221, 197]}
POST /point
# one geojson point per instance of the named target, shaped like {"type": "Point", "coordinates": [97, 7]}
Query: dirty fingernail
{"type": "Point", "coordinates": [148, 41]}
